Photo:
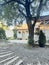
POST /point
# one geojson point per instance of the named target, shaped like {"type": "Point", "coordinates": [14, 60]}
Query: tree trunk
{"type": "Point", "coordinates": [31, 35]}
{"type": "Point", "coordinates": [31, 32]}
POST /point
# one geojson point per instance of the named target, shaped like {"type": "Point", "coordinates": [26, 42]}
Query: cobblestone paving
{"type": "Point", "coordinates": [11, 54]}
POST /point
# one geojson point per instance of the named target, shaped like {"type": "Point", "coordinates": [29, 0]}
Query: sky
{"type": "Point", "coordinates": [45, 13]}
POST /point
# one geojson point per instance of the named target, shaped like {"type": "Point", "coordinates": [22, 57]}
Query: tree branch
{"type": "Point", "coordinates": [7, 2]}
{"type": "Point", "coordinates": [22, 12]}
{"type": "Point", "coordinates": [19, 2]}
{"type": "Point", "coordinates": [31, 1]}
{"type": "Point", "coordinates": [45, 2]}
{"type": "Point", "coordinates": [39, 8]}
{"type": "Point", "coordinates": [38, 12]}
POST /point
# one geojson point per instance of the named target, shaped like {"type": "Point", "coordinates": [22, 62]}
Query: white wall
{"type": "Point", "coordinates": [19, 35]}
{"type": "Point", "coordinates": [47, 34]}
{"type": "Point", "coordinates": [9, 33]}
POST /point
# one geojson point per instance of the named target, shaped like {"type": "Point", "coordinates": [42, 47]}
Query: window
{"type": "Point", "coordinates": [19, 32]}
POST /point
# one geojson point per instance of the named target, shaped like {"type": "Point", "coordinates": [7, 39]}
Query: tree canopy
{"type": "Point", "coordinates": [16, 9]}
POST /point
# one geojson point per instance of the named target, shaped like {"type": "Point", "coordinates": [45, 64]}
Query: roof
{"type": "Point", "coordinates": [21, 27]}
{"type": "Point", "coordinates": [44, 17]}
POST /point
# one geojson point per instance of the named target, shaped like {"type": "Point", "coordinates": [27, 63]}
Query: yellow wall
{"type": "Point", "coordinates": [22, 27]}
{"type": "Point", "coordinates": [3, 26]}
{"type": "Point", "coordinates": [25, 27]}
{"type": "Point", "coordinates": [46, 27]}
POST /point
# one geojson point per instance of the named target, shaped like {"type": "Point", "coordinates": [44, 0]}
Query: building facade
{"type": "Point", "coordinates": [42, 24]}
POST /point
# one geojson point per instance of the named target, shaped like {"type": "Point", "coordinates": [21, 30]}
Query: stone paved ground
{"type": "Point", "coordinates": [29, 55]}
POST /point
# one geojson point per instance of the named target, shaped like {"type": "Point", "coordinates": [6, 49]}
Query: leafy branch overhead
{"type": "Point", "coordinates": [37, 5]}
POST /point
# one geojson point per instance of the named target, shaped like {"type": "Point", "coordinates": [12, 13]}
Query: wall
{"type": "Point", "coordinates": [9, 33]}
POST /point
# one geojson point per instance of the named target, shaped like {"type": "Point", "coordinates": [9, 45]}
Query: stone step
{"type": "Point", "coordinates": [20, 62]}
{"type": "Point", "coordinates": [2, 57]}
{"type": "Point", "coordinates": [12, 61]}
{"type": "Point", "coordinates": [7, 59]}
{"type": "Point", "coordinates": [5, 55]}
{"type": "Point", "coordinates": [3, 50]}
{"type": "Point", "coordinates": [6, 52]}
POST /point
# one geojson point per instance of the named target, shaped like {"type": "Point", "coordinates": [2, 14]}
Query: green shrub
{"type": "Point", "coordinates": [10, 38]}
{"type": "Point", "coordinates": [42, 39]}
{"type": "Point", "coordinates": [2, 34]}
{"type": "Point", "coordinates": [15, 33]}
{"type": "Point", "coordinates": [30, 41]}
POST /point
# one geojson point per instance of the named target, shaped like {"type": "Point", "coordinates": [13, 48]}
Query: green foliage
{"type": "Point", "coordinates": [42, 39]}
{"type": "Point", "coordinates": [10, 38]}
{"type": "Point", "coordinates": [30, 41]}
{"type": "Point", "coordinates": [15, 33]}
{"type": "Point", "coordinates": [11, 13]}
{"type": "Point", "coordinates": [2, 34]}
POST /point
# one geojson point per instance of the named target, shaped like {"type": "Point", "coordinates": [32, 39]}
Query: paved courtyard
{"type": "Point", "coordinates": [13, 54]}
